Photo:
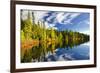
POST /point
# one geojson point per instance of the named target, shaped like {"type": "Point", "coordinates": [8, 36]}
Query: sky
{"type": "Point", "coordinates": [75, 21]}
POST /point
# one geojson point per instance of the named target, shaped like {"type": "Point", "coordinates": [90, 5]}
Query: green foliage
{"type": "Point", "coordinates": [52, 33]}
{"type": "Point", "coordinates": [22, 36]}
{"type": "Point", "coordinates": [27, 28]}
{"type": "Point", "coordinates": [27, 57]}
{"type": "Point", "coordinates": [66, 38]}
{"type": "Point", "coordinates": [31, 30]}
{"type": "Point", "coordinates": [60, 37]}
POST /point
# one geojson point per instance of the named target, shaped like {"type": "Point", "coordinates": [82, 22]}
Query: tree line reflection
{"type": "Point", "coordinates": [39, 52]}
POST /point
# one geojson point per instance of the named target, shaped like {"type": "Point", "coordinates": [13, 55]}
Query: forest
{"type": "Point", "coordinates": [32, 33]}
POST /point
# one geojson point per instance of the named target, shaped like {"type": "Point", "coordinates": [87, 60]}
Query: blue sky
{"type": "Point", "coordinates": [75, 21]}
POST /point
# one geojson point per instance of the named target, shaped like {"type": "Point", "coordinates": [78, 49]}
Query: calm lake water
{"type": "Point", "coordinates": [52, 52]}
{"type": "Point", "coordinates": [80, 52]}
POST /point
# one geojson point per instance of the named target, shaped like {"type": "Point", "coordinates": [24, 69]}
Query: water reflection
{"type": "Point", "coordinates": [52, 51]}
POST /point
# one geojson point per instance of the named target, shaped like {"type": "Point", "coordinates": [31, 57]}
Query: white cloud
{"type": "Point", "coordinates": [53, 15]}
{"type": "Point", "coordinates": [24, 14]}
{"type": "Point", "coordinates": [39, 15]}
{"type": "Point", "coordinates": [65, 18]}
{"type": "Point", "coordinates": [60, 17]}
{"type": "Point", "coordinates": [46, 25]}
{"type": "Point", "coordinates": [64, 57]}
{"type": "Point", "coordinates": [85, 32]}
{"type": "Point", "coordinates": [86, 21]}
{"type": "Point", "coordinates": [70, 17]}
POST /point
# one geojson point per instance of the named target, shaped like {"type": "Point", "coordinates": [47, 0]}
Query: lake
{"type": "Point", "coordinates": [80, 52]}
{"type": "Point", "coordinates": [47, 52]}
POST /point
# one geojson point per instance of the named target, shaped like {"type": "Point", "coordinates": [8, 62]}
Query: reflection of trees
{"type": "Point", "coordinates": [39, 53]}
